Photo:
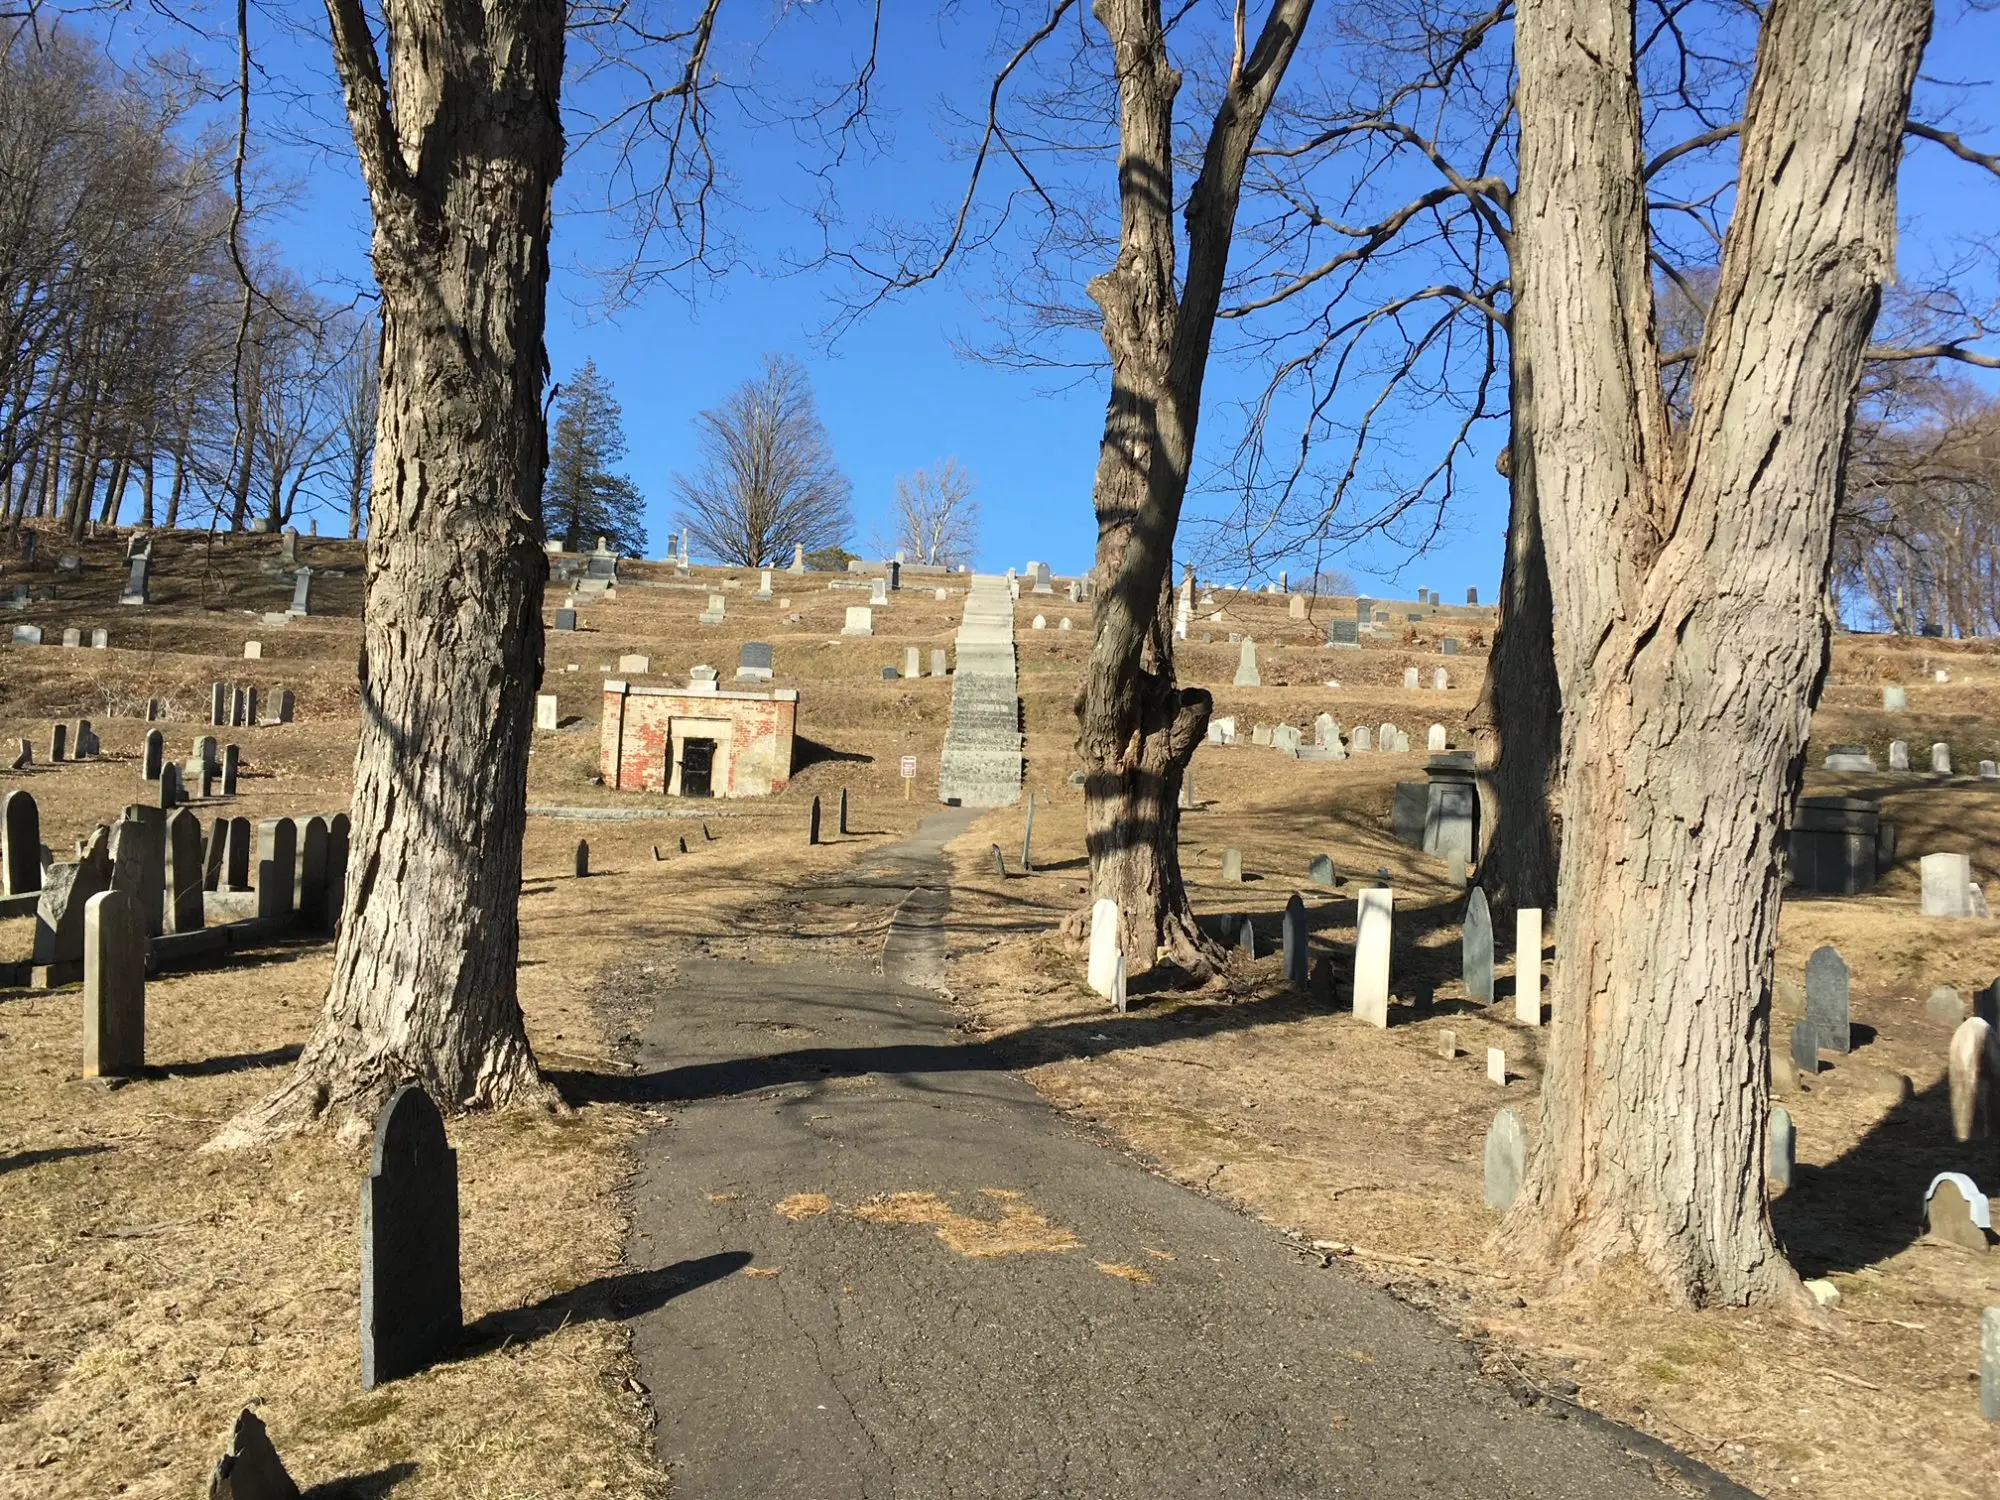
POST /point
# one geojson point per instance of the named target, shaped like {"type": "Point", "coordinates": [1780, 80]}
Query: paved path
{"type": "Point", "coordinates": [1174, 1349]}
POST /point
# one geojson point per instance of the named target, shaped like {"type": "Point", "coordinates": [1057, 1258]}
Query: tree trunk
{"type": "Point", "coordinates": [460, 148]}
{"type": "Point", "coordinates": [1689, 576]}
{"type": "Point", "coordinates": [1518, 718]}
{"type": "Point", "coordinates": [1137, 728]}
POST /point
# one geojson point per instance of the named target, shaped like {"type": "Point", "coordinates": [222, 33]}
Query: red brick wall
{"type": "Point", "coordinates": [637, 747]}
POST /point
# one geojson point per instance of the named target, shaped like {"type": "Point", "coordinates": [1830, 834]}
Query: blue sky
{"type": "Point", "coordinates": [895, 391]}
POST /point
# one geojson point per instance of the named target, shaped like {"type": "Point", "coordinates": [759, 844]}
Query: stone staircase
{"type": "Point", "coordinates": [981, 764]}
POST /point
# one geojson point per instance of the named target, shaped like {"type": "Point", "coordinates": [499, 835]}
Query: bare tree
{"type": "Point", "coordinates": [1689, 573]}
{"type": "Point", "coordinates": [768, 479]}
{"type": "Point", "coordinates": [357, 385]}
{"type": "Point", "coordinates": [937, 514]}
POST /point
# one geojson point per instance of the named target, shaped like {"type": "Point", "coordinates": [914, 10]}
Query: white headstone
{"type": "Point", "coordinates": [1440, 679]}
{"type": "Point", "coordinates": [253, 650]}
{"type": "Point", "coordinates": [1940, 759]}
{"type": "Point", "coordinates": [860, 620]}
{"type": "Point", "coordinates": [1528, 965]}
{"type": "Point", "coordinates": [1496, 1065]}
{"type": "Point", "coordinates": [913, 661]}
{"type": "Point", "coordinates": [546, 711]}
{"type": "Point", "coordinates": [1437, 739]}
{"type": "Point", "coordinates": [1374, 925]}
{"type": "Point", "coordinates": [1038, 623]}
{"type": "Point", "coordinates": [1410, 679]}
{"type": "Point", "coordinates": [1894, 699]}
{"type": "Point", "coordinates": [1899, 755]}
{"type": "Point", "coordinates": [1947, 885]}
{"type": "Point", "coordinates": [1104, 949]}
{"type": "Point", "coordinates": [1247, 674]}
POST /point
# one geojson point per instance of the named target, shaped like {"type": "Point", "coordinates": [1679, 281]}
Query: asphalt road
{"type": "Point", "coordinates": [1038, 1315]}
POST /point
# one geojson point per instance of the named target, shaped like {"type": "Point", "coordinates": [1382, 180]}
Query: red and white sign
{"type": "Point", "coordinates": [909, 768]}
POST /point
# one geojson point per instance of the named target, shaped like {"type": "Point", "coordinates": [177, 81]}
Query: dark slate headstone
{"type": "Point", "coordinates": [1805, 1048]}
{"type": "Point", "coordinates": [1246, 938]}
{"type": "Point", "coordinates": [812, 823]}
{"type": "Point", "coordinates": [277, 866]}
{"type": "Point", "coordinates": [250, 1468]}
{"type": "Point", "coordinates": [236, 864]}
{"type": "Point", "coordinates": [20, 845]}
{"type": "Point", "coordinates": [232, 765]}
{"type": "Point", "coordinates": [1028, 836]}
{"type": "Point", "coordinates": [1343, 633]}
{"type": "Point", "coordinates": [218, 704]}
{"type": "Point", "coordinates": [287, 705]}
{"type": "Point", "coordinates": [1826, 998]}
{"type": "Point", "coordinates": [312, 873]}
{"type": "Point", "coordinates": [1472, 596]}
{"type": "Point", "coordinates": [155, 755]}
{"type": "Point", "coordinates": [755, 657]}
{"type": "Point", "coordinates": [582, 858]}
{"type": "Point", "coordinates": [565, 619]}
{"type": "Point", "coordinates": [1449, 646]}
{"type": "Point", "coordinates": [170, 785]}
{"type": "Point", "coordinates": [139, 862]}
{"type": "Point", "coordinates": [1296, 954]}
{"type": "Point", "coordinates": [58, 743]}
{"type": "Point", "coordinates": [185, 873]}
{"type": "Point", "coordinates": [411, 1314]}
{"type": "Point", "coordinates": [218, 847]}
{"type": "Point", "coordinates": [337, 828]}
{"type": "Point", "coordinates": [1320, 871]}
{"type": "Point", "coordinates": [842, 824]}
{"type": "Point", "coordinates": [114, 986]}
{"type": "Point", "coordinates": [999, 863]}
{"type": "Point", "coordinates": [1476, 948]}
{"type": "Point", "coordinates": [890, 674]}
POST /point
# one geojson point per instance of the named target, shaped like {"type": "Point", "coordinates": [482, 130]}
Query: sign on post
{"type": "Point", "coordinates": [909, 774]}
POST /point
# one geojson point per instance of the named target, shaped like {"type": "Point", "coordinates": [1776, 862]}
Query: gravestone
{"type": "Point", "coordinates": [1894, 699]}
{"type": "Point", "coordinates": [253, 650]}
{"type": "Point", "coordinates": [1435, 743]}
{"type": "Point", "coordinates": [239, 708]}
{"type": "Point", "coordinates": [1449, 646]}
{"type": "Point", "coordinates": [565, 619]}
{"type": "Point", "coordinates": [301, 593]}
{"type": "Point", "coordinates": [138, 851]}
{"type": "Point", "coordinates": [27, 635]}
{"type": "Point", "coordinates": [250, 1468]}
{"type": "Point", "coordinates": [1528, 965]}
{"type": "Point", "coordinates": [635, 663]}
{"type": "Point", "coordinates": [1496, 1066]}
{"type": "Point", "coordinates": [1849, 758]}
{"type": "Point", "coordinates": [860, 620]}
{"type": "Point", "coordinates": [288, 545]}
{"type": "Point", "coordinates": [1827, 999]}
{"type": "Point", "coordinates": [288, 705]}
{"type": "Point", "coordinates": [812, 823]}
{"type": "Point", "coordinates": [337, 828]}
{"type": "Point", "coordinates": [20, 844]}
{"type": "Point", "coordinates": [232, 765]}
{"type": "Point", "coordinates": [890, 674]}
{"type": "Point", "coordinates": [277, 866]}
{"type": "Point", "coordinates": [1410, 676]}
{"type": "Point", "coordinates": [1375, 910]}
{"type": "Point", "coordinates": [1297, 608]}
{"type": "Point", "coordinates": [1038, 623]}
{"type": "Point", "coordinates": [798, 557]}
{"type": "Point", "coordinates": [1362, 738]}
{"type": "Point", "coordinates": [1947, 885]}
{"type": "Point", "coordinates": [1232, 865]}
{"type": "Point", "coordinates": [1246, 939]}
{"type": "Point", "coordinates": [547, 711]}
{"type": "Point", "coordinates": [1320, 871]}
{"type": "Point", "coordinates": [204, 751]}
{"type": "Point", "coordinates": [218, 704]}
{"type": "Point", "coordinates": [1041, 572]}
{"type": "Point", "coordinates": [1475, 947]}
{"type": "Point", "coordinates": [840, 823]}
{"type": "Point", "coordinates": [1440, 680]}
{"type": "Point", "coordinates": [310, 896]}
{"type": "Point", "coordinates": [211, 865]}
{"type": "Point", "coordinates": [717, 609]}
{"type": "Point", "coordinates": [72, 637]}
{"type": "Point", "coordinates": [1899, 755]}
{"type": "Point", "coordinates": [1028, 836]}
{"type": "Point", "coordinates": [763, 584]}
{"type": "Point", "coordinates": [1940, 759]}
{"type": "Point", "coordinates": [58, 744]}
{"type": "Point", "coordinates": [878, 591]}
{"type": "Point", "coordinates": [582, 858]}
{"type": "Point", "coordinates": [754, 662]}
{"type": "Point", "coordinates": [1945, 1005]}
{"type": "Point", "coordinates": [1975, 1048]}
{"type": "Point", "coordinates": [913, 662]}
{"type": "Point", "coordinates": [1956, 1212]}
{"type": "Point", "coordinates": [1293, 935]}
{"type": "Point", "coordinates": [1989, 1364]}
{"type": "Point", "coordinates": [1385, 737]}
{"type": "Point", "coordinates": [1344, 634]}
{"type": "Point", "coordinates": [185, 874]}
{"type": "Point", "coordinates": [1781, 1148]}
{"type": "Point", "coordinates": [84, 744]}
{"type": "Point", "coordinates": [1506, 1158]}
{"type": "Point", "coordinates": [66, 888]}
{"type": "Point", "coordinates": [939, 663]}
{"type": "Point", "coordinates": [170, 786]}
{"type": "Point", "coordinates": [1104, 946]}
{"type": "Point", "coordinates": [1286, 738]}
{"type": "Point", "coordinates": [411, 1314]}
{"type": "Point", "coordinates": [1246, 666]}
{"type": "Point", "coordinates": [114, 986]}
{"type": "Point", "coordinates": [138, 582]}
{"type": "Point", "coordinates": [100, 639]}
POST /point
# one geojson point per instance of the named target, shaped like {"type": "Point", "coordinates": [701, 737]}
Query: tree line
{"type": "Point", "coordinates": [141, 375]}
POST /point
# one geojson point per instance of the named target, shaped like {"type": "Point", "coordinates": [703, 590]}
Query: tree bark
{"type": "Point", "coordinates": [1689, 576]}
{"type": "Point", "coordinates": [1518, 719]}
{"type": "Point", "coordinates": [1138, 729]}
{"type": "Point", "coordinates": [460, 147]}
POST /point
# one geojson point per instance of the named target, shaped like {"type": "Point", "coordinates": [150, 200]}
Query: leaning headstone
{"type": "Point", "coordinates": [1247, 674]}
{"type": "Point", "coordinates": [411, 1314]}
{"type": "Point", "coordinates": [1974, 1051]}
{"type": "Point", "coordinates": [1781, 1148]}
{"type": "Point", "coordinates": [1293, 931]}
{"type": "Point", "coordinates": [1947, 885]}
{"type": "Point", "coordinates": [1232, 865]}
{"type": "Point", "coordinates": [1506, 1158]}
{"type": "Point", "coordinates": [249, 1468]}
{"type": "Point", "coordinates": [1899, 755]}
{"type": "Point", "coordinates": [1956, 1212]}
{"type": "Point", "coordinates": [812, 823]}
{"type": "Point", "coordinates": [185, 874]}
{"type": "Point", "coordinates": [1945, 1005]}
{"type": "Point", "coordinates": [114, 986]}
{"type": "Point", "coordinates": [1827, 998]}
{"type": "Point", "coordinates": [66, 889]}
{"type": "Point", "coordinates": [1528, 965]}
{"type": "Point", "coordinates": [277, 866]}
{"type": "Point", "coordinates": [1320, 871]}
{"type": "Point", "coordinates": [20, 844]}
{"type": "Point", "coordinates": [1476, 949]}
{"type": "Point", "coordinates": [301, 593]}
{"type": "Point", "coordinates": [1104, 945]}
{"type": "Point", "coordinates": [1375, 910]}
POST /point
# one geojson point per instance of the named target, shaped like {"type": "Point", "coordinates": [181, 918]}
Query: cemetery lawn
{"type": "Point", "coordinates": [1370, 1143]}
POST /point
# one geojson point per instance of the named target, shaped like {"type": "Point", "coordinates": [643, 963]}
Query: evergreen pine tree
{"type": "Point", "coordinates": [582, 499]}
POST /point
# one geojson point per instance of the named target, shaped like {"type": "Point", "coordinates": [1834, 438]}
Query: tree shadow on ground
{"type": "Point", "coordinates": [234, 1062]}
{"type": "Point", "coordinates": [627, 1294]}
{"type": "Point", "coordinates": [370, 1486]}
{"type": "Point", "coordinates": [1868, 1205]}
{"type": "Point", "coordinates": [806, 752]}
{"type": "Point", "coordinates": [21, 1160]}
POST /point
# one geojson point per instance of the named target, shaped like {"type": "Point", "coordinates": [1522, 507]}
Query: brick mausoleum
{"type": "Point", "coordinates": [697, 741]}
